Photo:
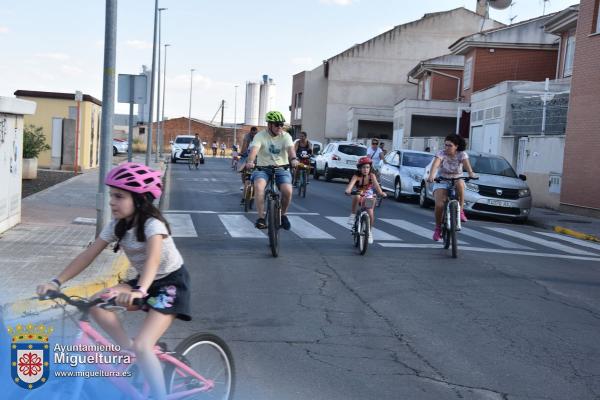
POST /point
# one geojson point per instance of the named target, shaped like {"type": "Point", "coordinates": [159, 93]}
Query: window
{"type": "Point", "coordinates": [395, 160]}
{"type": "Point", "coordinates": [416, 160]}
{"type": "Point", "coordinates": [569, 56]}
{"type": "Point", "coordinates": [298, 109]}
{"type": "Point", "coordinates": [352, 150]}
{"type": "Point", "coordinates": [389, 157]}
{"type": "Point", "coordinates": [467, 73]}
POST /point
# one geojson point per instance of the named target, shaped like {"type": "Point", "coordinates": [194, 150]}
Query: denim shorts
{"type": "Point", "coordinates": [282, 176]}
{"type": "Point", "coordinates": [440, 185]}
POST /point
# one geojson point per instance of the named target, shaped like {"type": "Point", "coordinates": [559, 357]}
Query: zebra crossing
{"type": "Point", "coordinates": [391, 233]}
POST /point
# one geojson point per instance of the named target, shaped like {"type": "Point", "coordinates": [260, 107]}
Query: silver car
{"type": "Point", "coordinates": [401, 172]}
{"type": "Point", "coordinates": [498, 191]}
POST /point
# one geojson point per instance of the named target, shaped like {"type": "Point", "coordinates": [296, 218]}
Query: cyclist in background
{"type": "Point", "coordinates": [272, 147]}
{"type": "Point", "coordinates": [223, 148]}
{"type": "Point", "coordinates": [365, 181]}
{"type": "Point", "coordinates": [450, 162]}
{"type": "Point", "coordinates": [195, 146]}
{"type": "Point", "coordinates": [303, 149]}
{"type": "Point", "coordinates": [248, 137]}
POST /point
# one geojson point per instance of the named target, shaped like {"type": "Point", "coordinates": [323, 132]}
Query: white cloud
{"type": "Point", "coordinates": [338, 2]}
{"type": "Point", "coordinates": [3, 29]}
{"type": "Point", "coordinates": [138, 44]}
{"type": "Point", "coordinates": [54, 56]}
{"type": "Point", "coordinates": [71, 70]}
{"type": "Point", "coordinates": [303, 63]}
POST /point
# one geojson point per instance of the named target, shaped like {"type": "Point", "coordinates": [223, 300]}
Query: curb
{"type": "Point", "coordinates": [575, 234]}
{"type": "Point", "coordinates": [32, 306]}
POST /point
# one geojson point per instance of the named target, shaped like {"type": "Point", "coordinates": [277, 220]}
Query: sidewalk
{"type": "Point", "coordinates": [56, 225]}
{"type": "Point", "coordinates": [586, 228]}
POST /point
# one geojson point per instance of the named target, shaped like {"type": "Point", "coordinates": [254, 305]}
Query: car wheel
{"type": "Point", "coordinates": [315, 173]}
{"type": "Point", "coordinates": [521, 220]}
{"type": "Point", "coordinates": [397, 190]}
{"type": "Point", "coordinates": [328, 174]}
{"type": "Point", "coordinates": [115, 151]}
{"type": "Point", "coordinates": [424, 202]}
{"type": "Point", "coordinates": [173, 160]}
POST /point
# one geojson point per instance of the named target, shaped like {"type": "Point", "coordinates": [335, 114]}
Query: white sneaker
{"type": "Point", "coordinates": [351, 219]}
{"type": "Point", "coordinates": [370, 240]}
{"type": "Point", "coordinates": [242, 188]}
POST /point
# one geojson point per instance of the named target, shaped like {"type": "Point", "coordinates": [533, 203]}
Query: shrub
{"type": "Point", "coordinates": [34, 141]}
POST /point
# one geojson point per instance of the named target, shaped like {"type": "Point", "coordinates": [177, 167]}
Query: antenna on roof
{"type": "Point", "coordinates": [511, 16]}
{"type": "Point", "coordinates": [545, 1]}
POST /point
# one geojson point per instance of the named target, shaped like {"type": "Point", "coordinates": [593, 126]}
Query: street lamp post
{"type": "Point", "coordinates": [190, 111]}
{"type": "Point", "coordinates": [158, 130]}
{"type": "Point", "coordinates": [151, 105]}
{"type": "Point", "coordinates": [235, 116]}
{"type": "Point", "coordinates": [162, 128]}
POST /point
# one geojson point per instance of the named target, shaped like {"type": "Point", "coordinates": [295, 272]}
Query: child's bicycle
{"type": "Point", "coordinates": [201, 366]}
{"type": "Point", "coordinates": [451, 219]}
{"type": "Point", "coordinates": [248, 193]}
{"type": "Point", "coordinates": [362, 222]}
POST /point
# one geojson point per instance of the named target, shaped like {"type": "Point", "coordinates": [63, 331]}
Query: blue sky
{"type": "Point", "coordinates": [58, 45]}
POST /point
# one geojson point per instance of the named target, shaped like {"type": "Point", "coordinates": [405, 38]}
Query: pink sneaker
{"type": "Point", "coordinates": [463, 217]}
{"type": "Point", "coordinates": [437, 233]}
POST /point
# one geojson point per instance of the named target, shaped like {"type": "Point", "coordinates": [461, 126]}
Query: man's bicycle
{"type": "Point", "coordinates": [273, 207]}
{"type": "Point", "coordinates": [451, 218]}
{"type": "Point", "coordinates": [361, 229]}
{"type": "Point", "coordinates": [302, 180]}
{"type": "Point", "coordinates": [248, 193]}
{"type": "Point", "coordinates": [194, 160]}
{"type": "Point", "coordinates": [200, 367]}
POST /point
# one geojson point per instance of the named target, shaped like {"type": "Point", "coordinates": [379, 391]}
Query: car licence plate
{"type": "Point", "coordinates": [500, 203]}
{"type": "Point", "coordinates": [351, 162]}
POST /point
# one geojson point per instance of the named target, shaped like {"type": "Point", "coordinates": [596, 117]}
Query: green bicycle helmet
{"type": "Point", "coordinates": [274, 116]}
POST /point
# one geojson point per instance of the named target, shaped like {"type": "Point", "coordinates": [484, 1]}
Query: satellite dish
{"type": "Point", "coordinates": [499, 4]}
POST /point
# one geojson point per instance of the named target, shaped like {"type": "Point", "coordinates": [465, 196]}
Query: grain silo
{"type": "Point", "coordinates": [267, 98]}
{"type": "Point", "coordinates": [251, 115]}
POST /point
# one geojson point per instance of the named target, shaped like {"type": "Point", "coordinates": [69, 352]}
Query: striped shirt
{"type": "Point", "coordinates": [170, 258]}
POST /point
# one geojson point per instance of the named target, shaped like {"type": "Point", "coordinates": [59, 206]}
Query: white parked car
{"type": "Point", "coordinates": [120, 146]}
{"type": "Point", "coordinates": [401, 172]}
{"type": "Point", "coordinates": [180, 151]}
{"type": "Point", "coordinates": [338, 160]}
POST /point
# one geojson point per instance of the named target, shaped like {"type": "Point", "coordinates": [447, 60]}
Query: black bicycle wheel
{"type": "Point", "coordinates": [452, 231]}
{"type": "Point", "coordinates": [299, 183]}
{"type": "Point", "coordinates": [304, 182]}
{"type": "Point", "coordinates": [190, 162]}
{"type": "Point", "coordinates": [247, 205]}
{"type": "Point", "coordinates": [210, 357]}
{"type": "Point", "coordinates": [355, 230]}
{"type": "Point", "coordinates": [273, 226]}
{"type": "Point", "coordinates": [364, 231]}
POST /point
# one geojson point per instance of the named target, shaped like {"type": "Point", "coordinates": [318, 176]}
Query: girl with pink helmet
{"type": "Point", "coordinates": [139, 228]}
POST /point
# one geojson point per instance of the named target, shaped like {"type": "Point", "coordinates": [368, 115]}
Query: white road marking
{"type": "Point", "coordinates": [492, 239]}
{"type": "Point", "coordinates": [239, 226]}
{"type": "Point", "coordinates": [227, 212]}
{"type": "Point", "coordinates": [578, 242]}
{"type": "Point", "coordinates": [487, 250]}
{"type": "Point", "coordinates": [552, 244]}
{"type": "Point", "coordinates": [413, 228]}
{"type": "Point", "coordinates": [306, 230]}
{"type": "Point", "coordinates": [377, 234]}
{"type": "Point", "coordinates": [181, 225]}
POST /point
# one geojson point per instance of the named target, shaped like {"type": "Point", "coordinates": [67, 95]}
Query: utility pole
{"type": "Point", "coordinates": [158, 130]}
{"type": "Point", "coordinates": [151, 109]}
{"type": "Point", "coordinates": [222, 111]}
{"type": "Point", "coordinates": [162, 128]}
{"type": "Point", "coordinates": [235, 116]}
{"type": "Point", "coordinates": [108, 110]}
{"type": "Point", "coordinates": [190, 111]}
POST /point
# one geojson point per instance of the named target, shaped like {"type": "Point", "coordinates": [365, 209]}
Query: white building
{"type": "Point", "coordinates": [339, 97]}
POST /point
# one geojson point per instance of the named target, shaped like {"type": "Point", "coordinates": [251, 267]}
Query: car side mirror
{"type": "Point", "coordinates": [522, 177]}
{"type": "Point", "coordinates": [204, 143]}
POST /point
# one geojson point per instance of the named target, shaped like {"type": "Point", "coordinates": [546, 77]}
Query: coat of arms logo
{"type": "Point", "coordinates": [30, 355]}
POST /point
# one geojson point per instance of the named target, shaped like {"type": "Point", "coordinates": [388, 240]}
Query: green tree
{"type": "Point", "coordinates": [34, 141]}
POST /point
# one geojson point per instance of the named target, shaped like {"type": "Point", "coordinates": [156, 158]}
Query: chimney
{"type": "Point", "coordinates": [482, 8]}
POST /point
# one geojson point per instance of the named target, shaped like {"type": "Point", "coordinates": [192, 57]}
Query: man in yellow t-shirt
{"type": "Point", "coordinates": [272, 147]}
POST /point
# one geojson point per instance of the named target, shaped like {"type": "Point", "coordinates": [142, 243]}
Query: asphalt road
{"type": "Point", "coordinates": [516, 316]}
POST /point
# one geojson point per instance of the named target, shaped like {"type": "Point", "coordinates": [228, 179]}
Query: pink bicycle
{"type": "Point", "coordinates": [200, 367]}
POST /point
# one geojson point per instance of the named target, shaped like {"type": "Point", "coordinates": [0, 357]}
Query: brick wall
{"type": "Point", "coordinates": [443, 87]}
{"type": "Point", "coordinates": [581, 180]}
{"type": "Point", "coordinates": [208, 133]}
{"type": "Point", "coordinates": [490, 68]}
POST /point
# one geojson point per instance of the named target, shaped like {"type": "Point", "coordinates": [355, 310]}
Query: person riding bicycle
{"type": "Point", "coordinates": [248, 137]}
{"type": "Point", "coordinates": [375, 153]}
{"type": "Point", "coordinates": [195, 146]}
{"type": "Point", "coordinates": [143, 233]}
{"type": "Point", "coordinates": [450, 163]}
{"type": "Point", "coordinates": [303, 149]}
{"type": "Point", "coordinates": [272, 147]}
{"type": "Point", "coordinates": [223, 148]}
{"type": "Point", "coordinates": [365, 181]}
{"type": "Point", "coordinates": [235, 155]}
